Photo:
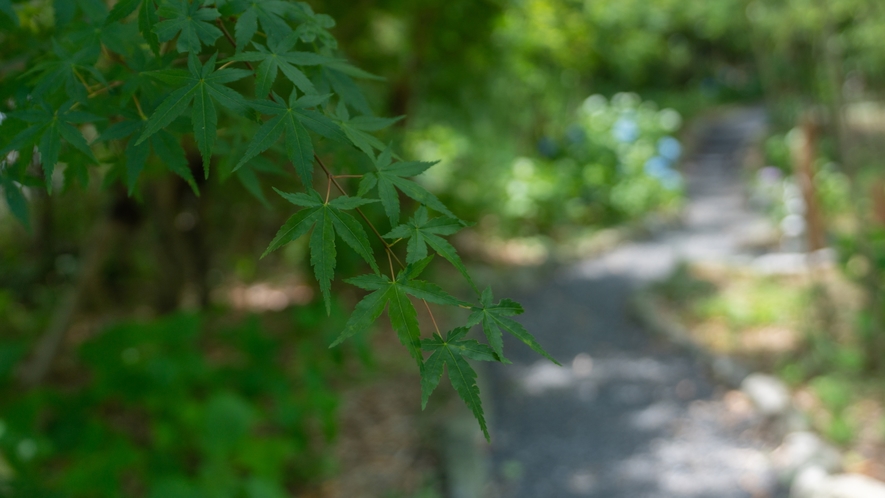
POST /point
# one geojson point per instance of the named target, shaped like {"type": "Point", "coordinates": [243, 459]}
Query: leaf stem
{"type": "Point", "coordinates": [358, 210]}
{"type": "Point", "coordinates": [328, 189]}
{"type": "Point", "coordinates": [114, 84]}
{"type": "Point", "coordinates": [432, 318]}
{"type": "Point", "coordinates": [231, 40]}
{"type": "Point", "coordinates": [390, 260]}
{"type": "Point", "coordinates": [80, 77]}
{"type": "Point", "coordinates": [138, 106]}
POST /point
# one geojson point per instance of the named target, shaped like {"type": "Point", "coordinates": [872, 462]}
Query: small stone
{"type": "Point", "coordinates": [854, 486]}
{"type": "Point", "coordinates": [814, 482]}
{"type": "Point", "coordinates": [809, 482]}
{"type": "Point", "coordinates": [802, 450]}
{"type": "Point", "coordinates": [770, 395]}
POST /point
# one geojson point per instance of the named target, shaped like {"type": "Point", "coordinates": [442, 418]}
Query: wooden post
{"type": "Point", "coordinates": [804, 151]}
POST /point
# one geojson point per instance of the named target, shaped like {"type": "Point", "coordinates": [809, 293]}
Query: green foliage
{"type": "Point", "coordinates": [451, 353]}
{"type": "Point", "coordinates": [160, 416]}
{"type": "Point", "coordinates": [615, 160]}
{"type": "Point", "coordinates": [111, 95]}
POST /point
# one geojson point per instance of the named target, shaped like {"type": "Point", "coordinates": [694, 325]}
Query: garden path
{"type": "Point", "coordinates": [630, 415]}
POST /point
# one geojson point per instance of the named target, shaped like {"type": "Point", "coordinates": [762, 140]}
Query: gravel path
{"type": "Point", "coordinates": [630, 415]}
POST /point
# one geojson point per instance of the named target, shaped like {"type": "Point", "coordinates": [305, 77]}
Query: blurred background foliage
{"type": "Point", "coordinates": [548, 116]}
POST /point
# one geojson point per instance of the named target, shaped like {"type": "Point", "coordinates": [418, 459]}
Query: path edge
{"type": "Point", "coordinates": [806, 464]}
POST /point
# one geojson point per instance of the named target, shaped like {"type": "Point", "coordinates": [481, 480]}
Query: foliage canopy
{"type": "Point", "coordinates": [139, 89]}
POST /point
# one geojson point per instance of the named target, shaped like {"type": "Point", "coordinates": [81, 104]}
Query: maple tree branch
{"type": "Point", "coordinates": [231, 40]}
{"type": "Point", "coordinates": [358, 210]}
{"type": "Point", "coordinates": [110, 86]}
{"type": "Point", "coordinates": [432, 318]}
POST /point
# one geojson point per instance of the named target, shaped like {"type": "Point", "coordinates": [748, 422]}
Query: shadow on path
{"type": "Point", "coordinates": [629, 415]}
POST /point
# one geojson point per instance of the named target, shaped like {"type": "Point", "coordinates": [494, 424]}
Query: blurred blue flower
{"type": "Point", "coordinates": [575, 134]}
{"type": "Point", "coordinates": [671, 180]}
{"type": "Point", "coordinates": [657, 167]}
{"type": "Point", "coordinates": [547, 147]}
{"type": "Point", "coordinates": [670, 148]}
{"type": "Point", "coordinates": [625, 130]}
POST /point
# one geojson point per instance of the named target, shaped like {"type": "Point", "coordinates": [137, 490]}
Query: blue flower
{"type": "Point", "coordinates": [547, 147]}
{"type": "Point", "coordinates": [625, 130]}
{"type": "Point", "coordinates": [657, 167]}
{"type": "Point", "coordinates": [669, 148]}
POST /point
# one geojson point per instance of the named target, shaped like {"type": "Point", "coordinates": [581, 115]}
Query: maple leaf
{"type": "Point", "coordinates": [164, 144]}
{"type": "Point", "coordinates": [6, 8]}
{"type": "Point", "coordinates": [390, 177]}
{"type": "Point", "coordinates": [204, 86]}
{"type": "Point", "coordinates": [270, 13]}
{"type": "Point", "coordinates": [393, 294]}
{"type": "Point", "coordinates": [279, 56]}
{"type": "Point", "coordinates": [495, 317]}
{"type": "Point", "coordinates": [287, 120]}
{"type": "Point", "coordinates": [355, 129]}
{"type": "Point", "coordinates": [422, 231]}
{"type": "Point", "coordinates": [188, 20]}
{"type": "Point", "coordinates": [451, 353]}
{"type": "Point", "coordinates": [15, 198]}
{"type": "Point", "coordinates": [327, 219]}
{"type": "Point", "coordinates": [51, 126]}
{"type": "Point", "coordinates": [67, 70]}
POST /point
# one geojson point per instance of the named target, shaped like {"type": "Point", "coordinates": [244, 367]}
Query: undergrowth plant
{"type": "Point", "coordinates": [118, 89]}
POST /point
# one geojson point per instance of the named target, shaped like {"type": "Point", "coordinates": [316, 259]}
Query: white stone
{"type": "Point", "coordinates": [814, 482]}
{"type": "Point", "coordinates": [770, 395]}
{"type": "Point", "coordinates": [854, 486]}
{"type": "Point", "coordinates": [802, 450]}
{"type": "Point", "coordinates": [809, 483]}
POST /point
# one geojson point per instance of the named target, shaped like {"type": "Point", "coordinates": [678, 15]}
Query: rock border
{"type": "Point", "coordinates": [805, 462]}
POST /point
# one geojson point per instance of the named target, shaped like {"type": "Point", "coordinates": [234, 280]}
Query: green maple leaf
{"type": "Point", "coordinates": [495, 317]}
{"type": "Point", "coordinates": [451, 353]}
{"type": "Point", "coordinates": [51, 126]}
{"type": "Point", "coordinates": [338, 73]}
{"type": "Point", "coordinates": [327, 219]}
{"type": "Point", "coordinates": [204, 86]}
{"type": "Point", "coordinates": [356, 129]}
{"type": "Point", "coordinates": [279, 56]}
{"type": "Point", "coordinates": [269, 13]}
{"type": "Point", "coordinates": [188, 20]}
{"type": "Point", "coordinates": [164, 144]}
{"type": "Point", "coordinates": [390, 177]}
{"type": "Point", "coordinates": [147, 20]}
{"type": "Point", "coordinates": [6, 8]}
{"type": "Point", "coordinates": [393, 294]}
{"type": "Point", "coordinates": [121, 10]}
{"type": "Point", "coordinates": [287, 119]}
{"type": "Point", "coordinates": [66, 71]}
{"type": "Point", "coordinates": [15, 198]}
{"type": "Point", "coordinates": [422, 231]}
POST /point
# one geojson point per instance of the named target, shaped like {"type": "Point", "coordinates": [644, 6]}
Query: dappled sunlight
{"type": "Point", "coordinates": [266, 296]}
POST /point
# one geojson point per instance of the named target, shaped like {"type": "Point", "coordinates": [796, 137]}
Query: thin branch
{"type": "Point", "coordinates": [114, 84]}
{"type": "Point", "coordinates": [390, 261]}
{"type": "Point", "coordinates": [231, 40]}
{"type": "Point", "coordinates": [138, 106]}
{"type": "Point", "coordinates": [358, 210]}
{"type": "Point", "coordinates": [432, 318]}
